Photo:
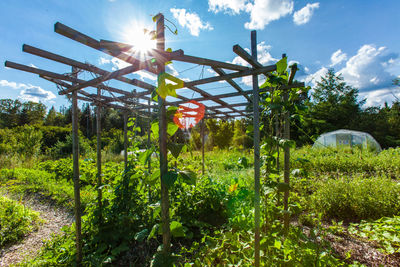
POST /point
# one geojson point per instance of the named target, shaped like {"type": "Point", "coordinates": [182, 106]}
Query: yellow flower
{"type": "Point", "coordinates": [232, 188]}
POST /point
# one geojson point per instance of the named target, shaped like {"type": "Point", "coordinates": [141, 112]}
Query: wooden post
{"type": "Point", "coordinates": [149, 135]}
{"type": "Point", "coordinates": [286, 151]}
{"type": "Point", "coordinates": [202, 146]}
{"type": "Point", "coordinates": [75, 160]}
{"type": "Point", "coordinates": [125, 139]}
{"type": "Point", "coordinates": [98, 133]}
{"type": "Point", "coordinates": [162, 120]}
{"type": "Point", "coordinates": [256, 121]}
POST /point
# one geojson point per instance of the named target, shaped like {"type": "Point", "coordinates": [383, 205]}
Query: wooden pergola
{"type": "Point", "coordinates": [140, 101]}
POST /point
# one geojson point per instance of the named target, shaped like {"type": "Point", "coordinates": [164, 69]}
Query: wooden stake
{"type": "Point", "coordinates": [75, 157]}
{"type": "Point", "coordinates": [256, 125]}
{"type": "Point", "coordinates": [126, 140]}
{"type": "Point", "coordinates": [202, 146]}
{"type": "Point", "coordinates": [98, 133]}
{"type": "Point", "coordinates": [162, 120]}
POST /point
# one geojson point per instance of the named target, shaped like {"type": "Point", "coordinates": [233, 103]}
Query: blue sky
{"type": "Point", "coordinates": [359, 39]}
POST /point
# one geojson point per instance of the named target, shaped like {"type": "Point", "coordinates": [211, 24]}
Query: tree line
{"type": "Point", "coordinates": [331, 104]}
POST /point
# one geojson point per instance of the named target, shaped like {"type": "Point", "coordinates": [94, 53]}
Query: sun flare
{"type": "Point", "coordinates": [135, 34]}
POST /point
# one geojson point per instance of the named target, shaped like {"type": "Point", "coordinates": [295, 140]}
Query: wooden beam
{"type": "Point", "coordinates": [86, 40]}
{"type": "Point", "coordinates": [246, 56]}
{"type": "Point", "coordinates": [217, 97]}
{"type": "Point", "coordinates": [231, 82]}
{"type": "Point", "coordinates": [96, 81]}
{"type": "Point", "coordinates": [210, 62]}
{"type": "Point", "coordinates": [122, 47]}
{"type": "Point", "coordinates": [232, 75]}
{"type": "Point", "coordinates": [88, 67]}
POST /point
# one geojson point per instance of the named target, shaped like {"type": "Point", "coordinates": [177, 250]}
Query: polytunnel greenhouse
{"type": "Point", "coordinates": [350, 138]}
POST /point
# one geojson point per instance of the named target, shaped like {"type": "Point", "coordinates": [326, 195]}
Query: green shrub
{"type": "Point", "coordinates": [16, 221]}
{"type": "Point", "coordinates": [354, 199]}
{"type": "Point", "coordinates": [64, 149]}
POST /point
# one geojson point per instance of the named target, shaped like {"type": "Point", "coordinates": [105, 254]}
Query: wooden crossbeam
{"type": "Point", "coordinates": [86, 40]}
{"type": "Point", "coordinates": [96, 81]}
{"type": "Point", "coordinates": [231, 82]}
{"type": "Point", "coordinates": [232, 75]}
{"type": "Point", "coordinates": [216, 97]}
{"type": "Point", "coordinates": [84, 66]}
{"type": "Point", "coordinates": [63, 77]}
{"type": "Point", "coordinates": [210, 62]}
{"type": "Point", "coordinates": [122, 47]}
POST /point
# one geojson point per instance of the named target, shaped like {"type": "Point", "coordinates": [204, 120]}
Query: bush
{"type": "Point", "coordinates": [53, 134]}
{"type": "Point", "coordinates": [357, 199]}
{"type": "Point", "coordinates": [16, 221]}
{"type": "Point", "coordinates": [64, 149]}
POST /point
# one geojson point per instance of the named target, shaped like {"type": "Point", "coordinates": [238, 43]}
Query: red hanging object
{"type": "Point", "coordinates": [186, 117]}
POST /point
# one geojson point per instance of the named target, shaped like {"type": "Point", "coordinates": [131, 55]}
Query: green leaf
{"type": "Point", "coordinates": [121, 248]}
{"type": "Point", "coordinates": [175, 149]}
{"type": "Point", "coordinates": [177, 229]}
{"type": "Point", "coordinates": [153, 178]}
{"type": "Point", "coordinates": [154, 129]}
{"type": "Point", "coordinates": [141, 236]}
{"type": "Point", "coordinates": [277, 244]}
{"type": "Point", "coordinates": [153, 231]}
{"type": "Point", "coordinates": [172, 128]}
{"type": "Point", "coordinates": [188, 177]}
{"type": "Point", "coordinates": [281, 65]}
{"type": "Point", "coordinates": [283, 187]}
{"type": "Point", "coordinates": [169, 178]}
{"type": "Point", "coordinates": [145, 156]}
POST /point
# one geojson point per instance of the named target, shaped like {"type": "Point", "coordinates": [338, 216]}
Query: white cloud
{"type": "Point", "coordinates": [262, 12]}
{"type": "Point", "coordinates": [227, 6]}
{"type": "Point", "coordinates": [29, 92]}
{"type": "Point", "coordinates": [371, 70]}
{"type": "Point", "coordinates": [35, 94]}
{"type": "Point", "coordinates": [304, 15]}
{"type": "Point", "coordinates": [338, 57]}
{"type": "Point", "coordinates": [191, 21]}
{"type": "Point", "coordinates": [146, 75]}
{"type": "Point", "coordinates": [103, 60]}
{"type": "Point", "coordinates": [368, 68]}
{"type": "Point", "coordinates": [13, 85]}
{"type": "Point", "coordinates": [379, 97]}
{"type": "Point", "coordinates": [313, 78]}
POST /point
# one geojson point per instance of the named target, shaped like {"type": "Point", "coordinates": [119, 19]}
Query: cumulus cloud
{"type": "Point", "coordinates": [304, 15]}
{"type": "Point", "coordinates": [371, 70]}
{"type": "Point", "coordinates": [36, 94]}
{"type": "Point", "coordinates": [262, 12]}
{"type": "Point", "coordinates": [338, 57]}
{"type": "Point", "coordinates": [227, 6]}
{"type": "Point", "coordinates": [314, 78]}
{"type": "Point", "coordinates": [191, 21]}
{"type": "Point", "coordinates": [29, 92]}
{"type": "Point", "coordinates": [368, 69]}
{"type": "Point", "coordinates": [146, 75]}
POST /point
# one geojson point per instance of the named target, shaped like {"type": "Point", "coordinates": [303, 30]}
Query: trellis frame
{"type": "Point", "coordinates": [75, 89]}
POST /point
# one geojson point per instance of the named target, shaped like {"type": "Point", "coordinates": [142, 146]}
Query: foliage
{"type": "Point", "coordinates": [16, 221]}
{"type": "Point", "coordinates": [220, 133]}
{"type": "Point", "coordinates": [385, 231]}
{"type": "Point", "coordinates": [23, 140]}
{"type": "Point", "coordinates": [24, 181]}
{"type": "Point", "coordinates": [357, 198]}
{"type": "Point", "coordinates": [64, 148]}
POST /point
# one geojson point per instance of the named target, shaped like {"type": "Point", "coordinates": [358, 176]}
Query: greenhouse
{"type": "Point", "coordinates": [351, 138]}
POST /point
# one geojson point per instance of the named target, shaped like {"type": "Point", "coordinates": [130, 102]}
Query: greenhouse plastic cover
{"type": "Point", "coordinates": [344, 137]}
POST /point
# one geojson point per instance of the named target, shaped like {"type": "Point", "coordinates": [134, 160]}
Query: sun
{"type": "Point", "coordinates": [137, 35]}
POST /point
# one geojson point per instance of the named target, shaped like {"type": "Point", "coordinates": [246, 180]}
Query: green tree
{"type": "Point", "coordinates": [9, 112]}
{"type": "Point", "coordinates": [334, 104]}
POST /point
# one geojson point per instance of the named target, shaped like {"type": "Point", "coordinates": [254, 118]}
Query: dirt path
{"type": "Point", "coordinates": [55, 218]}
